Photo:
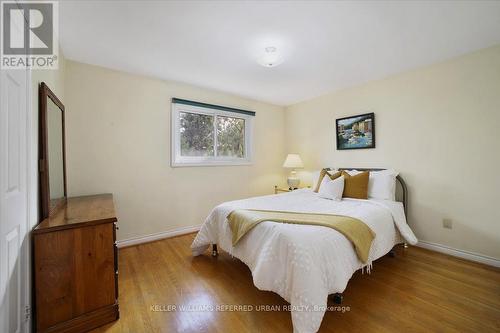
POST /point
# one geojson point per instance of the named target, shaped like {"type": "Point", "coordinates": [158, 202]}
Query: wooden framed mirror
{"type": "Point", "coordinates": [52, 152]}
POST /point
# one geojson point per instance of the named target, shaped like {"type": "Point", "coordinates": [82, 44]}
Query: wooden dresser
{"type": "Point", "coordinates": [76, 266]}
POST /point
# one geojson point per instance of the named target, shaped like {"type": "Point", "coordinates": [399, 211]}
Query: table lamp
{"type": "Point", "coordinates": [293, 162]}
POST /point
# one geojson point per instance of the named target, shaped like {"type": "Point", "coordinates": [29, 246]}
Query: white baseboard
{"type": "Point", "coordinates": [157, 236]}
{"type": "Point", "coordinates": [460, 253]}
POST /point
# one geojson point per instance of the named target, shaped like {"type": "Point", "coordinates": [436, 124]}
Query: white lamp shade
{"type": "Point", "coordinates": [293, 161]}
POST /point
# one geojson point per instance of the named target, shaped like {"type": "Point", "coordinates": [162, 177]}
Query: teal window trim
{"type": "Point", "coordinates": [212, 106]}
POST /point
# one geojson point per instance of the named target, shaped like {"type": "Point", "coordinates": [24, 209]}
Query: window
{"type": "Point", "coordinates": [204, 134]}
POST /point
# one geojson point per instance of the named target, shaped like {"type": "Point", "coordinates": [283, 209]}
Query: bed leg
{"type": "Point", "coordinates": [338, 298]}
{"type": "Point", "coordinates": [215, 253]}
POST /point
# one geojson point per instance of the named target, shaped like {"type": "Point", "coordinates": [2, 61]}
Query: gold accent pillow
{"type": "Point", "coordinates": [356, 186]}
{"type": "Point", "coordinates": [322, 175]}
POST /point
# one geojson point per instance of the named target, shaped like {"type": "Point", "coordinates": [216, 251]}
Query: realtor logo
{"type": "Point", "coordinates": [29, 34]}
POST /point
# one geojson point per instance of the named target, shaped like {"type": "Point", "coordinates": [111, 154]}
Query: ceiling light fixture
{"type": "Point", "coordinates": [270, 57]}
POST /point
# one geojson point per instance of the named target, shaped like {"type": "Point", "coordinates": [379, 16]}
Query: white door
{"type": "Point", "coordinates": [13, 199]}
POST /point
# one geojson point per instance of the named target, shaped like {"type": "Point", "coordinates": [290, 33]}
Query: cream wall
{"type": "Point", "coordinates": [118, 141]}
{"type": "Point", "coordinates": [439, 126]}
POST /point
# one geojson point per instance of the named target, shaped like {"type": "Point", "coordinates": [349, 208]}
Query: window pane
{"type": "Point", "coordinates": [197, 134]}
{"type": "Point", "coordinates": [230, 137]}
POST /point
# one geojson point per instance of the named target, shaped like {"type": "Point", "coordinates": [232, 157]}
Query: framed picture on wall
{"type": "Point", "coordinates": [356, 132]}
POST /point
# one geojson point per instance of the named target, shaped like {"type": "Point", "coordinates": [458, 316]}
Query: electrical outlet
{"type": "Point", "coordinates": [447, 223]}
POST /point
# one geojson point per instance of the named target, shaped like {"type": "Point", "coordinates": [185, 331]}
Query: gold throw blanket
{"type": "Point", "coordinates": [361, 236]}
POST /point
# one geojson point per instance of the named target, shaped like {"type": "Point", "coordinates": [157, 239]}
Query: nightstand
{"type": "Point", "coordinates": [280, 189]}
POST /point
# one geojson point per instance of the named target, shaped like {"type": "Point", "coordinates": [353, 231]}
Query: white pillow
{"type": "Point", "coordinates": [332, 189]}
{"type": "Point", "coordinates": [315, 176]}
{"type": "Point", "coordinates": [382, 184]}
{"type": "Point", "coordinates": [325, 180]}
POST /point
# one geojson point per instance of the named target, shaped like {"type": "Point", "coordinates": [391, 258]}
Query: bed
{"type": "Point", "coordinates": [305, 263]}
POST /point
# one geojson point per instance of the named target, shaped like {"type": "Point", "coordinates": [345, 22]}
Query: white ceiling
{"type": "Point", "coordinates": [326, 45]}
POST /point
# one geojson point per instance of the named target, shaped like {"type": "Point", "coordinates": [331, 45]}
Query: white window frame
{"type": "Point", "coordinates": [186, 161]}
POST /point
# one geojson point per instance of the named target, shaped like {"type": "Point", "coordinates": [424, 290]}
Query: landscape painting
{"type": "Point", "coordinates": [356, 132]}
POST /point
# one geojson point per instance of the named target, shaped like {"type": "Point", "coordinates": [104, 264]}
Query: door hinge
{"type": "Point", "coordinates": [27, 313]}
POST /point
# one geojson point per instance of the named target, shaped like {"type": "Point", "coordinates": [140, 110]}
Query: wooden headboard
{"type": "Point", "coordinates": [401, 189]}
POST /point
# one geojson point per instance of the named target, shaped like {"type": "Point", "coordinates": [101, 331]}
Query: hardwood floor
{"type": "Point", "coordinates": [417, 291]}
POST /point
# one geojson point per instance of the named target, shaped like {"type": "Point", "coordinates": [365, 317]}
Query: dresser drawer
{"type": "Point", "coordinates": [75, 273]}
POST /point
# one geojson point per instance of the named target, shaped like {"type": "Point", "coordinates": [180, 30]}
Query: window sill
{"type": "Point", "coordinates": [210, 164]}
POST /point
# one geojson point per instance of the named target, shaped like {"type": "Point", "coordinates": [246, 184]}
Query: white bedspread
{"type": "Point", "coordinates": [304, 264]}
